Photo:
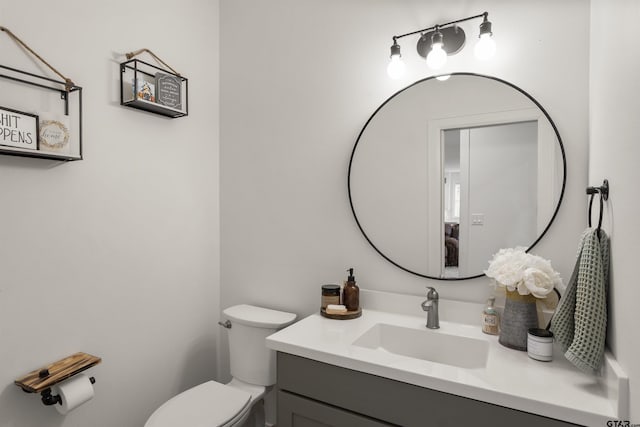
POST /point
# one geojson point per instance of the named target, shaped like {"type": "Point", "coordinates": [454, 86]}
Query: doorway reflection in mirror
{"type": "Point", "coordinates": [489, 176]}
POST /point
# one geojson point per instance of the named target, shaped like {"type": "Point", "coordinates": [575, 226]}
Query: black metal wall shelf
{"type": "Point", "coordinates": [140, 86]}
{"type": "Point", "coordinates": [69, 94]}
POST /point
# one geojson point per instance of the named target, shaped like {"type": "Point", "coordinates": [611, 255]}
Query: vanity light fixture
{"type": "Point", "coordinates": [485, 47]}
{"type": "Point", "coordinates": [396, 67]}
{"type": "Point", "coordinates": [441, 40]}
{"type": "Point", "coordinates": [437, 57]}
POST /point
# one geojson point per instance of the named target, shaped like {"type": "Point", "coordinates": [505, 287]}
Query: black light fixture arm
{"type": "Point", "coordinates": [437, 42]}
{"type": "Point", "coordinates": [484, 15]}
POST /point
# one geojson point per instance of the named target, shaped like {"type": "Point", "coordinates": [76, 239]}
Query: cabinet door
{"type": "Point", "coordinates": [297, 411]}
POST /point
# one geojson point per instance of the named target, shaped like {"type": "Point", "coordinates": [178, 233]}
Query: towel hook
{"type": "Point", "coordinates": [603, 191]}
{"type": "Point", "coordinates": [590, 205]}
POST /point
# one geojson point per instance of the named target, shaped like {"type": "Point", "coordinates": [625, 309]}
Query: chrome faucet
{"type": "Point", "coordinates": [430, 305]}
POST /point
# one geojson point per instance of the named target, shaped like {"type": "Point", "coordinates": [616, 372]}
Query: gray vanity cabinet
{"type": "Point", "coordinates": [315, 394]}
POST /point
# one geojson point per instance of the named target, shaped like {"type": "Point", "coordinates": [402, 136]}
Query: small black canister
{"type": "Point", "coordinates": [330, 295]}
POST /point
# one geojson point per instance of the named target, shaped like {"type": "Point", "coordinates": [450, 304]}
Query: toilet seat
{"type": "Point", "coordinates": [210, 404]}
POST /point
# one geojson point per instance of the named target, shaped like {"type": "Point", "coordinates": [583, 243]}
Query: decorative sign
{"type": "Point", "coordinates": [54, 132]}
{"type": "Point", "coordinates": [145, 90]}
{"type": "Point", "coordinates": [169, 90]}
{"type": "Point", "coordinates": [18, 129]}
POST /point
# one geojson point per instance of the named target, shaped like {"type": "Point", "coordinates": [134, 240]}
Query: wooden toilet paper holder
{"type": "Point", "coordinates": [41, 380]}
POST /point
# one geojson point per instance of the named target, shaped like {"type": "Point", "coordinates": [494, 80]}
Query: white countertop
{"type": "Point", "coordinates": [510, 378]}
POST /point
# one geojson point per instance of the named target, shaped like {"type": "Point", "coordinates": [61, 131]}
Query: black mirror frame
{"type": "Point", "coordinates": [353, 152]}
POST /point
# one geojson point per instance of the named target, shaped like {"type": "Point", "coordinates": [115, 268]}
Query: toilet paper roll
{"type": "Point", "coordinates": [74, 392]}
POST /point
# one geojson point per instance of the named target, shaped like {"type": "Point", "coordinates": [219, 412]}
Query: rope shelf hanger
{"type": "Point", "coordinates": [68, 83]}
{"type": "Point", "coordinates": [144, 49]}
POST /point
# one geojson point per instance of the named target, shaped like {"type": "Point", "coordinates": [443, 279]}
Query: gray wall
{"type": "Point", "coordinates": [299, 79]}
{"type": "Point", "coordinates": [613, 154]}
{"type": "Point", "coordinates": [116, 255]}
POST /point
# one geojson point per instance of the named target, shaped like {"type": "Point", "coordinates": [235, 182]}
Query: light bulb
{"type": "Point", "coordinates": [396, 67]}
{"type": "Point", "coordinates": [485, 48]}
{"type": "Point", "coordinates": [437, 57]}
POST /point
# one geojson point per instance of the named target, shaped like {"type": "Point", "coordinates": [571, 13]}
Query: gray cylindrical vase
{"type": "Point", "coordinates": [520, 314]}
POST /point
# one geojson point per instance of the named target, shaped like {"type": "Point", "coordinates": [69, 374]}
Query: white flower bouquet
{"type": "Point", "coordinates": [515, 269]}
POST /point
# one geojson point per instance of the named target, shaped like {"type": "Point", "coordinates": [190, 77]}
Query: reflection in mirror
{"type": "Point", "coordinates": [452, 190]}
{"type": "Point", "coordinates": [445, 173]}
{"type": "Point", "coordinates": [469, 175]}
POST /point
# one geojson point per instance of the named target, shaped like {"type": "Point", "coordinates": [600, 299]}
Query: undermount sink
{"type": "Point", "coordinates": [426, 344]}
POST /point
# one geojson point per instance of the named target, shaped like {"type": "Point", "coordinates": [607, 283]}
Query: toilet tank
{"type": "Point", "coordinates": [250, 359]}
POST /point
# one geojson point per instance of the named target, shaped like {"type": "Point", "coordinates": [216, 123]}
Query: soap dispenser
{"type": "Point", "coordinates": [490, 323]}
{"type": "Point", "coordinates": [351, 293]}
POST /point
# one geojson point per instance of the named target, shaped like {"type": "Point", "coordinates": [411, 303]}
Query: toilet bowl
{"type": "Point", "coordinates": [238, 403]}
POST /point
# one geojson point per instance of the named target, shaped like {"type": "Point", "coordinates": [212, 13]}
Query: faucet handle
{"type": "Point", "coordinates": [432, 294]}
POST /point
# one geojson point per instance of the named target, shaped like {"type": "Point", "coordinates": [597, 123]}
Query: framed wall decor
{"type": "Point", "coordinates": [169, 90]}
{"type": "Point", "coordinates": [55, 133]}
{"type": "Point", "coordinates": [18, 129]}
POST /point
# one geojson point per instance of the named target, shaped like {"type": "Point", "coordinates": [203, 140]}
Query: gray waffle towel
{"type": "Point", "coordinates": [580, 321]}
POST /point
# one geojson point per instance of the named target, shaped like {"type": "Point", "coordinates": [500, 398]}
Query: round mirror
{"type": "Point", "coordinates": [447, 172]}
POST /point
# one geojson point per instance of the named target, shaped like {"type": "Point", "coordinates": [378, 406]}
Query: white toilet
{"type": "Point", "coordinates": [253, 368]}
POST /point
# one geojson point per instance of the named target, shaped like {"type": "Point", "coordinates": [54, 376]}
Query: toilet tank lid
{"type": "Point", "coordinates": [259, 317]}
